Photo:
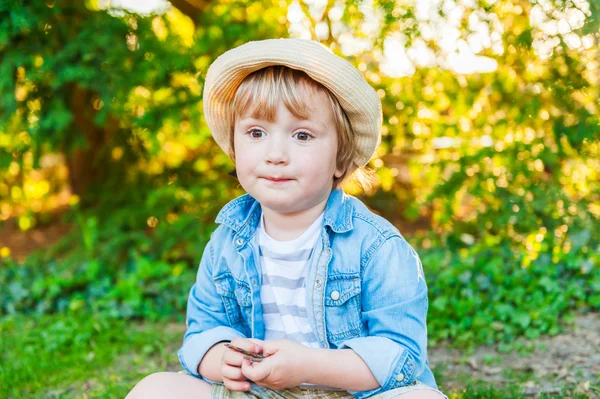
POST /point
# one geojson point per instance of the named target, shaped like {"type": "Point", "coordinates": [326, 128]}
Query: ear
{"type": "Point", "coordinates": [338, 173]}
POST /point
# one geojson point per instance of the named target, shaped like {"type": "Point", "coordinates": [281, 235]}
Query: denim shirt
{"type": "Point", "coordinates": [365, 291]}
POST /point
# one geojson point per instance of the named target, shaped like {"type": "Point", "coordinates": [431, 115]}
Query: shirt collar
{"type": "Point", "coordinates": [243, 213]}
{"type": "Point", "coordinates": [338, 212]}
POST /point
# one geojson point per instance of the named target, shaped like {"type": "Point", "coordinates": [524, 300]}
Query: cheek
{"type": "Point", "coordinates": [321, 159]}
{"type": "Point", "coordinates": [320, 167]}
{"type": "Point", "coordinates": [245, 163]}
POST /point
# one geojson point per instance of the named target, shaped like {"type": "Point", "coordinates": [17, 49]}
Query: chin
{"type": "Point", "coordinates": [278, 206]}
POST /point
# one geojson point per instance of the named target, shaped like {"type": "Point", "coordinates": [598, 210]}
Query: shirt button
{"type": "Point", "coordinates": [400, 377]}
{"type": "Point", "coordinates": [239, 242]}
{"type": "Point", "coordinates": [318, 283]}
{"type": "Point", "coordinates": [254, 282]}
{"type": "Point", "coordinates": [335, 295]}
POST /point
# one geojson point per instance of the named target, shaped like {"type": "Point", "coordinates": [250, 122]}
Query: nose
{"type": "Point", "coordinates": [277, 152]}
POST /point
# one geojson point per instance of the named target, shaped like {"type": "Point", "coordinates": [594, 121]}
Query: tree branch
{"type": "Point", "coordinates": [191, 8]}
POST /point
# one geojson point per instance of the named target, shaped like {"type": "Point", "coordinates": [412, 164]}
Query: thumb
{"type": "Point", "coordinates": [271, 347]}
{"type": "Point", "coordinates": [255, 371]}
{"type": "Point", "coordinates": [259, 344]}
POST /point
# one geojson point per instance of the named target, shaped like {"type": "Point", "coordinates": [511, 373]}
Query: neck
{"type": "Point", "coordinates": [289, 226]}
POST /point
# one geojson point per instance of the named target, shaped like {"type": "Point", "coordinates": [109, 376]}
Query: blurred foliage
{"type": "Point", "coordinates": [483, 294]}
{"type": "Point", "coordinates": [100, 120]}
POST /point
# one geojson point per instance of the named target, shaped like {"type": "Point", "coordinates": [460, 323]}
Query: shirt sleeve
{"type": "Point", "coordinates": [206, 318]}
{"type": "Point", "coordinates": [394, 300]}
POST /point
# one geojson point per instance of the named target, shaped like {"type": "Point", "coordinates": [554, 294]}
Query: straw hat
{"type": "Point", "coordinates": [358, 99]}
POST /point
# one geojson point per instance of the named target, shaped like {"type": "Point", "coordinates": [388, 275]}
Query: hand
{"type": "Point", "coordinates": [231, 363]}
{"type": "Point", "coordinates": [286, 365]}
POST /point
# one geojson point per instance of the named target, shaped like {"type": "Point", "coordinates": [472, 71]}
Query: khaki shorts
{"type": "Point", "coordinates": [220, 392]}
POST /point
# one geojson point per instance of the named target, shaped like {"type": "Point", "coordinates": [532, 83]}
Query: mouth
{"type": "Point", "coordinates": [276, 179]}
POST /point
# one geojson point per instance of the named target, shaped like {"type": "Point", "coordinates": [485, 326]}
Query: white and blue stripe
{"type": "Point", "coordinates": [283, 291]}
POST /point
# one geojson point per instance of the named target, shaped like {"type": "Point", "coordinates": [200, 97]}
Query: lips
{"type": "Point", "coordinates": [277, 179]}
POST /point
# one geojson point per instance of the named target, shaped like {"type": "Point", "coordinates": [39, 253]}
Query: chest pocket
{"type": "Point", "coordinates": [236, 298]}
{"type": "Point", "coordinates": [342, 308]}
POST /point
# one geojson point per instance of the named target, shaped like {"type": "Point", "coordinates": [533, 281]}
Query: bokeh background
{"type": "Point", "coordinates": [110, 181]}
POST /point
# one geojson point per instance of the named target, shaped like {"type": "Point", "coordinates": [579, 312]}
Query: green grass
{"type": "Point", "coordinates": [76, 356]}
{"type": "Point", "coordinates": [87, 356]}
{"type": "Point", "coordinates": [481, 391]}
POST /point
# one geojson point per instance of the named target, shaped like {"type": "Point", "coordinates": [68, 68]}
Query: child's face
{"type": "Point", "coordinates": [288, 165]}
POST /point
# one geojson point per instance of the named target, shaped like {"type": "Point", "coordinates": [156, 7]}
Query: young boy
{"type": "Point", "coordinates": [329, 294]}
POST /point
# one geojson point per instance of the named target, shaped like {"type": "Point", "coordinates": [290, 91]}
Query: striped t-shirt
{"type": "Point", "coordinates": [283, 291]}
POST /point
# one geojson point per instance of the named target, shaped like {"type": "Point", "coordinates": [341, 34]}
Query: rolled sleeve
{"type": "Point", "coordinates": [388, 361]}
{"type": "Point", "coordinates": [394, 299]}
{"type": "Point", "coordinates": [195, 347]}
{"type": "Point", "coordinates": [207, 322]}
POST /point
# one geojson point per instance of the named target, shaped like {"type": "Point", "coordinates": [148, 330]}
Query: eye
{"type": "Point", "coordinates": [303, 136]}
{"type": "Point", "coordinates": [255, 133]}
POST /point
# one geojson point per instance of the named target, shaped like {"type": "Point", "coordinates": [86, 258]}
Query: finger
{"type": "Point", "coordinates": [271, 347]}
{"type": "Point", "coordinates": [255, 371]}
{"type": "Point", "coordinates": [248, 344]}
{"type": "Point", "coordinates": [236, 385]}
{"type": "Point", "coordinates": [232, 373]}
{"type": "Point", "coordinates": [258, 342]}
{"type": "Point", "coordinates": [232, 358]}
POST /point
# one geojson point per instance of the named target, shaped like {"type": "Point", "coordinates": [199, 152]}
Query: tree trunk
{"type": "Point", "coordinates": [88, 164]}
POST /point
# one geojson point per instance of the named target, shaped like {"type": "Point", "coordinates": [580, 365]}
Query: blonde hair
{"type": "Point", "coordinates": [263, 89]}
